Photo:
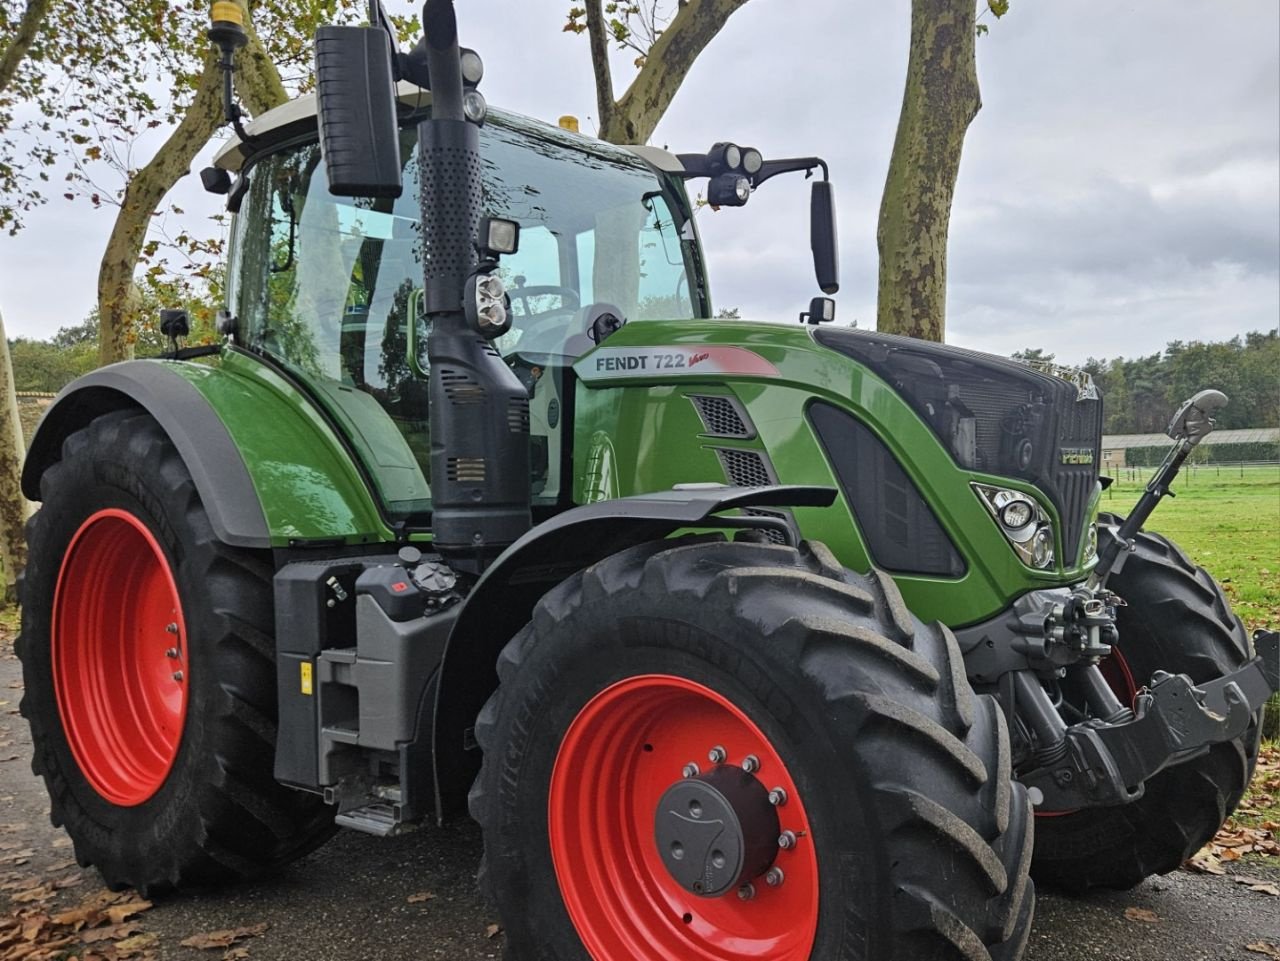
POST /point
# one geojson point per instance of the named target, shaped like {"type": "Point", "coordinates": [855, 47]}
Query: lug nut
{"type": "Point", "coordinates": [777, 797]}
{"type": "Point", "coordinates": [177, 675]}
{"type": "Point", "coordinates": [171, 653]}
{"type": "Point", "coordinates": [787, 840]}
{"type": "Point", "coordinates": [692, 770]}
{"type": "Point", "coordinates": [751, 764]}
{"type": "Point", "coordinates": [775, 877]}
{"type": "Point", "coordinates": [717, 755]}
{"type": "Point", "coordinates": [746, 892]}
{"type": "Point", "coordinates": [171, 628]}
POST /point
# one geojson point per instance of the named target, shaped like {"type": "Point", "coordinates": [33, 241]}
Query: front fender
{"type": "Point", "coordinates": [502, 601]}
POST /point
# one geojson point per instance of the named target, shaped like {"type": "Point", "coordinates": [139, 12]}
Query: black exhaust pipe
{"type": "Point", "coordinates": [480, 479]}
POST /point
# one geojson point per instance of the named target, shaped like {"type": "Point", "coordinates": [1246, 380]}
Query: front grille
{"type": "Point", "coordinates": [993, 415]}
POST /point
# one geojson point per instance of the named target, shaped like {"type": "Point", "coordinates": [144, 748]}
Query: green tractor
{"type": "Point", "coordinates": [739, 640]}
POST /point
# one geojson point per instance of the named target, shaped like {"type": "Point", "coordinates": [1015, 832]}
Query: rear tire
{"type": "Point", "coordinates": [121, 546]}
{"type": "Point", "coordinates": [914, 843]}
{"type": "Point", "coordinates": [1176, 620]}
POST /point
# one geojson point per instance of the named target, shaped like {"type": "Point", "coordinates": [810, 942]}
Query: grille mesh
{"type": "Point", "coordinates": [722, 417]}
{"type": "Point", "coordinates": [745, 468]}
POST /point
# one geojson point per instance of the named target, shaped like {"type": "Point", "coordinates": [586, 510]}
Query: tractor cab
{"type": "Point", "coordinates": [330, 288]}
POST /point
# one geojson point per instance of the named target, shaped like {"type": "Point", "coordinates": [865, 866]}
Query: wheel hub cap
{"type": "Point", "coordinates": [716, 831]}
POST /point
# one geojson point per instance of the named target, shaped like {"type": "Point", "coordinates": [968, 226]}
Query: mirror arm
{"type": "Point", "coordinates": [772, 168]}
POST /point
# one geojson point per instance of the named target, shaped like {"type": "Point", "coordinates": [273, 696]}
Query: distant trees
{"type": "Point", "coordinates": [1140, 394]}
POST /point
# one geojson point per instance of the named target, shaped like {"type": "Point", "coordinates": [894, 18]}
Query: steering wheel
{"type": "Point", "coordinates": [570, 299]}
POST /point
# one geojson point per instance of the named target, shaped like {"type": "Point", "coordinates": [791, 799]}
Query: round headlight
{"type": "Point", "coordinates": [1042, 548]}
{"type": "Point", "coordinates": [472, 67]}
{"type": "Point", "coordinates": [743, 189]}
{"type": "Point", "coordinates": [732, 156]}
{"type": "Point", "coordinates": [1091, 543]}
{"type": "Point", "coordinates": [475, 106]}
{"type": "Point", "coordinates": [752, 161]}
{"type": "Point", "coordinates": [1017, 514]}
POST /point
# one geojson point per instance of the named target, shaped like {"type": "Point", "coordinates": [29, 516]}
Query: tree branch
{"type": "Point", "coordinates": [599, 36]}
{"type": "Point", "coordinates": [694, 26]}
{"type": "Point", "coordinates": [258, 81]}
{"type": "Point", "coordinates": [117, 291]}
{"type": "Point", "coordinates": [16, 51]}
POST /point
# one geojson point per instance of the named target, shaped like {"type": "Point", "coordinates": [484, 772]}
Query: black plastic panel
{"type": "Point", "coordinates": [900, 528]}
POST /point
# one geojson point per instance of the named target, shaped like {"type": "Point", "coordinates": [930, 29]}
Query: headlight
{"type": "Point", "coordinates": [1091, 543]}
{"type": "Point", "coordinates": [1024, 523]}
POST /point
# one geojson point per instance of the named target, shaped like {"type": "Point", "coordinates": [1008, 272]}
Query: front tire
{"type": "Point", "coordinates": [910, 839]}
{"type": "Point", "coordinates": [1176, 620]}
{"type": "Point", "coordinates": [148, 661]}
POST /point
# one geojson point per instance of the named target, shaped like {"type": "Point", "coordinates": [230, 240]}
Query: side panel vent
{"type": "Point", "coordinates": [467, 470]}
{"type": "Point", "coordinates": [518, 415]}
{"type": "Point", "coordinates": [723, 417]}
{"type": "Point", "coordinates": [776, 537]}
{"type": "Point", "coordinates": [746, 468]}
{"type": "Point", "coordinates": [461, 388]}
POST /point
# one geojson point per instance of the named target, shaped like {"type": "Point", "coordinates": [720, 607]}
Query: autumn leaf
{"type": "Point", "coordinates": [421, 897]}
{"type": "Point", "coordinates": [224, 939]}
{"type": "Point", "coordinates": [1142, 914]}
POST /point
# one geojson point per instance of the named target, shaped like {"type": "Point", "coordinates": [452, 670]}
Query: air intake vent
{"type": "Point", "coordinates": [723, 417]}
{"type": "Point", "coordinates": [461, 389]}
{"type": "Point", "coordinates": [746, 468]}
{"type": "Point", "coordinates": [776, 536]}
{"type": "Point", "coordinates": [467, 470]}
{"type": "Point", "coordinates": [518, 415]}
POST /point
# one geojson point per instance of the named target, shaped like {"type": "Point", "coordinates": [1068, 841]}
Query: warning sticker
{"type": "Point", "coordinates": [306, 678]}
{"type": "Point", "coordinates": [661, 362]}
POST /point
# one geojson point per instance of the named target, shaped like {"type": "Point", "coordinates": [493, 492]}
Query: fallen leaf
{"type": "Point", "coordinates": [420, 897]}
{"type": "Point", "coordinates": [236, 954]}
{"type": "Point", "coordinates": [492, 931]}
{"type": "Point", "coordinates": [119, 912]}
{"type": "Point", "coordinates": [139, 943]}
{"type": "Point", "coordinates": [224, 939]}
{"type": "Point", "coordinates": [41, 892]}
{"type": "Point", "coordinates": [1269, 948]}
{"type": "Point", "coordinates": [1142, 914]}
{"type": "Point", "coordinates": [114, 932]}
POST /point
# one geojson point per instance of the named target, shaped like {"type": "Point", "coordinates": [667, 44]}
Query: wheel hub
{"type": "Point", "coordinates": [717, 831]}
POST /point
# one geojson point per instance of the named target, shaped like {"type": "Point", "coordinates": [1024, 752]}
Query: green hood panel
{"type": "Point", "coordinates": [638, 402]}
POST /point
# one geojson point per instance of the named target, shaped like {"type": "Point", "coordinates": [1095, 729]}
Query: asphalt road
{"type": "Point", "coordinates": [350, 901]}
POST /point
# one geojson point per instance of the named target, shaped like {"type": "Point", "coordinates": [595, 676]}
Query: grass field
{"type": "Point", "coordinates": [1228, 520]}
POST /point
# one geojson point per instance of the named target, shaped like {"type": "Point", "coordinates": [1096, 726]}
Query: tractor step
{"type": "Point", "coordinates": [379, 819]}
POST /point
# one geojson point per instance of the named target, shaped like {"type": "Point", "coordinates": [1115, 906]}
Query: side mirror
{"type": "Point", "coordinates": [356, 99]}
{"type": "Point", "coordinates": [822, 310]}
{"type": "Point", "coordinates": [822, 237]}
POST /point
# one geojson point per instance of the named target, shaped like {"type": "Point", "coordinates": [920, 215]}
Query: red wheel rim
{"type": "Point", "coordinates": [1115, 671]}
{"type": "Point", "coordinates": [119, 657]}
{"type": "Point", "coordinates": [618, 758]}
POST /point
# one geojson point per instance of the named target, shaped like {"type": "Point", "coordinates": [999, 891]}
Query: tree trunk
{"type": "Point", "coordinates": [940, 102]}
{"type": "Point", "coordinates": [118, 297]}
{"type": "Point", "coordinates": [14, 508]}
{"type": "Point", "coordinates": [12, 54]}
{"type": "Point", "coordinates": [633, 119]}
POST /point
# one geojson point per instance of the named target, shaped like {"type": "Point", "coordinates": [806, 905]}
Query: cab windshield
{"type": "Point", "coordinates": [330, 287]}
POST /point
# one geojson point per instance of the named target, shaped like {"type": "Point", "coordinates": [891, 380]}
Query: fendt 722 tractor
{"type": "Point", "coordinates": [739, 640]}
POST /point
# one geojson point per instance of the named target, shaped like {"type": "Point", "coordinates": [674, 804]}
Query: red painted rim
{"type": "Point", "coordinates": [120, 670]}
{"type": "Point", "coordinates": [619, 756]}
{"type": "Point", "coordinates": [1116, 672]}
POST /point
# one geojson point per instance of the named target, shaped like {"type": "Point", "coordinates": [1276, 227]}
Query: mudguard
{"type": "Point", "coordinates": [502, 601]}
{"type": "Point", "coordinates": [219, 472]}
{"type": "Point", "coordinates": [269, 469]}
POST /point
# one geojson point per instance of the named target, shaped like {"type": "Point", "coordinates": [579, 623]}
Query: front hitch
{"type": "Point", "coordinates": [1174, 720]}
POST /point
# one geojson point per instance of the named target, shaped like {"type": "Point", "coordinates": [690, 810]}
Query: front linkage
{"type": "Point", "coordinates": [1062, 636]}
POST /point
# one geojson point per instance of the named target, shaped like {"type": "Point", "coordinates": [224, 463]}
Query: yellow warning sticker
{"type": "Point", "coordinates": [306, 677]}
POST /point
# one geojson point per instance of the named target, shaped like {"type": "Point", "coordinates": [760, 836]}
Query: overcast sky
{"type": "Point", "coordinates": [1120, 188]}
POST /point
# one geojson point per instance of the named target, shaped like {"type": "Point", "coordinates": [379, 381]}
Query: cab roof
{"type": "Point", "coordinates": [298, 118]}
